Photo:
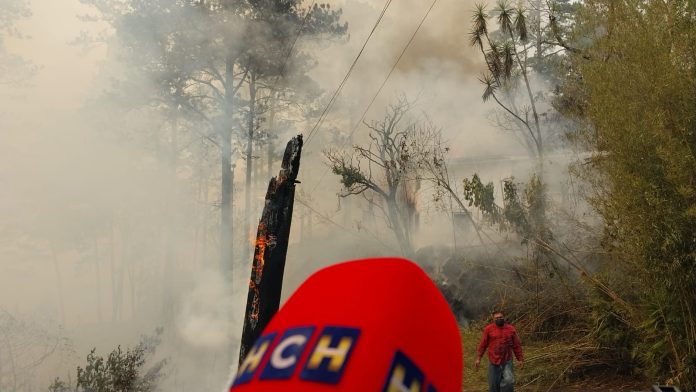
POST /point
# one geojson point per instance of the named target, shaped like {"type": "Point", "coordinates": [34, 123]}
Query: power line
{"type": "Point", "coordinates": [379, 90]}
{"type": "Point", "coordinates": [347, 230]}
{"type": "Point", "coordinates": [392, 69]}
{"type": "Point", "coordinates": [297, 36]}
{"type": "Point", "coordinates": [329, 105]}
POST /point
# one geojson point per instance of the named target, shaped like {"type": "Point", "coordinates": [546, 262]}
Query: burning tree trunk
{"type": "Point", "coordinates": [271, 247]}
{"type": "Point", "coordinates": [227, 168]}
{"type": "Point", "coordinates": [249, 155]}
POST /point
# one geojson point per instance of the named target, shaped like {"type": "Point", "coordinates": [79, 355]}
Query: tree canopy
{"type": "Point", "coordinates": [635, 71]}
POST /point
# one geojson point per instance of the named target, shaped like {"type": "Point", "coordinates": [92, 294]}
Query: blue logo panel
{"type": "Point", "coordinates": [253, 359]}
{"type": "Point", "coordinates": [404, 375]}
{"type": "Point", "coordinates": [286, 354]}
{"type": "Point", "coordinates": [330, 355]}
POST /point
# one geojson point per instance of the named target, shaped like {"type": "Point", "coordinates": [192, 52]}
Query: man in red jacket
{"type": "Point", "coordinates": [501, 340]}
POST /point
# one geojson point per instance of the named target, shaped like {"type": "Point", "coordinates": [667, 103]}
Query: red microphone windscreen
{"type": "Point", "coordinates": [365, 325]}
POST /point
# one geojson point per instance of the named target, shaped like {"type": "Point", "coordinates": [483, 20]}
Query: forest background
{"type": "Point", "coordinates": [535, 156]}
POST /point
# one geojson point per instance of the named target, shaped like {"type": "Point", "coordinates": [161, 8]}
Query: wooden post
{"type": "Point", "coordinates": [271, 247]}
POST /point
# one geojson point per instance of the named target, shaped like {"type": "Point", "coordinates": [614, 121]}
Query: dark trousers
{"type": "Point", "coordinates": [501, 377]}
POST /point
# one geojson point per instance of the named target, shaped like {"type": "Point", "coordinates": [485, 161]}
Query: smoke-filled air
{"type": "Point", "coordinates": [536, 158]}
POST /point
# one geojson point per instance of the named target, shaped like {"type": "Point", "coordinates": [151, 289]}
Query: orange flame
{"type": "Point", "coordinates": [263, 241]}
{"type": "Point", "coordinates": [260, 252]}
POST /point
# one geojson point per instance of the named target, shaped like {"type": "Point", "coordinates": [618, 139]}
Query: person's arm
{"type": "Point", "coordinates": [483, 344]}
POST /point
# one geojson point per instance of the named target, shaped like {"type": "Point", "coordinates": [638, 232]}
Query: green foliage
{"type": "Point", "coordinates": [481, 196]}
{"type": "Point", "coordinates": [514, 210]}
{"type": "Point", "coordinates": [14, 70]}
{"type": "Point", "coordinates": [522, 215]}
{"type": "Point", "coordinates": [120, 371]}
{"type": "Point", "coordinates": [519, 48]}
{"type": "Point", "coordinates": [59, 385]}
{"type": "Point", "coordinates": [635, 81]}
{"type": "Point", "coordinates": [351, 176]}
{"type": "Point", "coordinates": [615, 336]}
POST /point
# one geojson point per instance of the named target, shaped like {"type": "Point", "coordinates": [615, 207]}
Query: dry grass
{"type": "Point", "coordinates": [547, 368]}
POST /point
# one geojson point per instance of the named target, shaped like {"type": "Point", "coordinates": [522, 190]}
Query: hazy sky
{"type": "Point", "coordinates": [48, 148]}
{"type": "Point", "coordinates": [64, 80]}
{"type": "Point", "coordinates": [439, 54]}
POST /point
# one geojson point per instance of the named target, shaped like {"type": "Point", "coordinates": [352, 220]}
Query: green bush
{"type": "Point", "coordinates": [120, 371]}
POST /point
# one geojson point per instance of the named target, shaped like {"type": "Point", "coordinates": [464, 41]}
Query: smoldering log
{"type": "Point", "coordinates": [271, 248]}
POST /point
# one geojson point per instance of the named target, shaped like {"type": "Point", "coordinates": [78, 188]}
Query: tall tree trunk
{"type": "Point", "coordinates": [269, 158]}
{"type": "Point", "coordinates": [399, 226]}
{"type": "Point", "coordinates": [120, 275]}
{"type": "Point", "coordinates": [303, 226]}
{"type": "Point", "coordinates": [347, 202]}
{"type": "Point", "coordinates": [112, 263]}
{"type": "Point", "coordinates": [2, 389]}
{"type": "Point", "coordinates": [170, 243]}
{"type": "Point", "coordinates": [201, 247]}
{"type": "Point", "coordinates": [59, 285]}
{"type": "Point", "coordinates": [226, 233]}
{"type": "Point", "coordinates": [97, 278]}
{"type": "Point", "coordinates": [271, 247]}
{"type": "Point", "coordinates": [249, 159]}
{"type": "Point", "coordinates": [131, 289]}
{"type": "Point", "coordinates": [271, 133]}
{"type": "Point", "coordinates": [197, 226]}
{"type": "Point", "coordinates": [537, 28]}
{"type": "Point", "coordinates": [204, 225]}
{"type": "Point", "coordinates": [226, 227]}
{"type": "Point", "coordinates": [257, 169]}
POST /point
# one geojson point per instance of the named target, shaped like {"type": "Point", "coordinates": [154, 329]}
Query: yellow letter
{"type": "Point", "coordinates": [253, 359]}
{"type": "Point", "coordinates": [337, 355]}
{"type": "Point", "coordinates": [396, 382]}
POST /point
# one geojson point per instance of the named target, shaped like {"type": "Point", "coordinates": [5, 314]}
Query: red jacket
{"type": "Point", "coordinates": [500, 342]}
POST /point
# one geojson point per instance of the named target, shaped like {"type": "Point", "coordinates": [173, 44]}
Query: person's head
{"type": "Point", "coordinates": [499, 318]}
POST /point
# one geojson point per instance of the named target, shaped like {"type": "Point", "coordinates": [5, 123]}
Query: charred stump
{"type": "Point", "coordinates": [270, 249]}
